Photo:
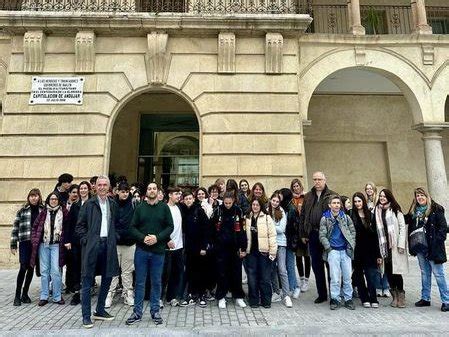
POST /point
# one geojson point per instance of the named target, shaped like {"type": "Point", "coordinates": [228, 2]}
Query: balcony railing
{"type": "Point", "coordinates": [157, 6]}
{"type": "Point", "coordinates": [333, 19]}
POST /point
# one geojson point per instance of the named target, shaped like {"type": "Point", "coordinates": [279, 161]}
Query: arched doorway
{"type": "Point", "coordinates": [155, 137]}
{"type": "Point", "coordinates": [361, 130]}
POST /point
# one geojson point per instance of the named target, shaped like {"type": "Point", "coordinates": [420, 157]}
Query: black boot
{"type": "Point", "coordinates": [75, 299]}
{"type": "Point", "coordinates": [25, 298]}
{"type": "Point", "coordinates": [17, 301]}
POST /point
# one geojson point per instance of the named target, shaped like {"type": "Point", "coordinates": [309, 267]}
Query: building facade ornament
{"type": "Point", "coordinates": [85, 52]}
{"type": "Point", "coordinates": [157, 58]}
{"type": "Point", "coordinates": [428, 54]}
{"type": "Point", "coordinates": [274, 43]}
{"type": "Point", "coordinates": [226, 53]}
{"type": "Point", "coordinates": [33, 51]}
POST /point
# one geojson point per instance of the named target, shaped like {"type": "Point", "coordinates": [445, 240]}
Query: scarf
{"type": "Point", "coordinates": [389, 217]}
{"type": "Point", "coordinates": [57, 225]}
{"type": "Point", "coordinates": [420, 212]}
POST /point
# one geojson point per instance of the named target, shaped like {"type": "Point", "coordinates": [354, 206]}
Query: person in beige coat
{"type": "Point", "coordinates": [261, 252]}
{"type": "Point", "coordinates": [392, 236]}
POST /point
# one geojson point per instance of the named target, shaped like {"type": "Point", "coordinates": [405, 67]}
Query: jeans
{"type": "Point", "coordinates": [340, 267]}
{"type": "Point", "coordinates": [259, 278]}
{"type": "Point", "coordinates": [88, 280]}
{"type": "Point", "coordinates": [173, 275]}
{"type": "Point", "coordinates": [316, 254]}
{"type": "Point", "coordinates": [367, 291]}
{"type": "Point", "coordinates": [144, 262]}
{"type": "Point", "coordinates": [427, 268]}
{"type": "Point", "coordinates": [282, 270]}
{"type": "Point", "coordinates": [49, 265]}
{"type": "Point", "coordinates": [381, 281]}
{"type": "Point", "coordinates": [291, 269]}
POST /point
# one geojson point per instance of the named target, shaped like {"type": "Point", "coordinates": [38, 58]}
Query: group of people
{"type": "Point", "coordinates": [194, 246]}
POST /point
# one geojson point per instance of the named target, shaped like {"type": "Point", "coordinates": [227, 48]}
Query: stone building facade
{"type": "Point", "coordinates": [255, 95]}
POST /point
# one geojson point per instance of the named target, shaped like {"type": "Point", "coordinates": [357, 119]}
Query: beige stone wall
{"type": "Point", "coordinates": [359, 138]}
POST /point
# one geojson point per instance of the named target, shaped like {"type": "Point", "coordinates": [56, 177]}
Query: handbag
{"type": "Point", "coordinates": [418, 240]}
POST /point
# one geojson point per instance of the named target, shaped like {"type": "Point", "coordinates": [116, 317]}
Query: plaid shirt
{"type": "Point", "coordinates": [21, 229]}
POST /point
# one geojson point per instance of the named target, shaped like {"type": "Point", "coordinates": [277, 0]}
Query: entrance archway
{"type": "Point", "coordinates": [155, 137]}
{"type": "Point", "coordinates": [361, 130]}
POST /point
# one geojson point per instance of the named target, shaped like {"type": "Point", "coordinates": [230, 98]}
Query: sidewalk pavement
{"type": "Point", "coordinates": [305, 318]}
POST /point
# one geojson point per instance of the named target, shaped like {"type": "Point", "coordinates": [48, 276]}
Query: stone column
{"type": "Point", "coordinates": [420, 17]}
{"type": "Point", "coordinates": [355, 22]}
{"type": "Point", "coordinates": [435, 167]}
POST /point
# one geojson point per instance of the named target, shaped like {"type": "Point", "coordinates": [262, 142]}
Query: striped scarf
{"type": "Point", "coordinates": [389, 218]}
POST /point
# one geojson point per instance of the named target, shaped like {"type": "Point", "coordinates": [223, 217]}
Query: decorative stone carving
{"type": "Point", "coordinates": [274, 43]}
{"type": "Point", "coordinates": [85, 52]}
{"type": "Point", "coordinates": [33, 51]}
{"type": "Point", "coordinates": [226, 53]}
{"type": "Point", "coordinates": [157, 58]}
{"type": "Point", "coordinates": [428, 54]}
{"type": "Point", "coordinates": [360, 55]}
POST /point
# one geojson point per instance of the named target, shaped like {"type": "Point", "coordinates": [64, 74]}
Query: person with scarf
{"type": "Point", "coordinates": [21, 234]}
{"type": "Point", "coordinates": [337, 235]}
{"type": "Point", "coordinates": [426, 218]}
{"type": "Point", "coordinates": [47, 240]}
{"type": "Point", "coordinates": [392, 236]}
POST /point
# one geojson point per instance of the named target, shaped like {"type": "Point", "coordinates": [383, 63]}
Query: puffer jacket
{"type": "Point", "coordinates": [327, 223]}
{"type": "Point", "coordinates": [266, 234]}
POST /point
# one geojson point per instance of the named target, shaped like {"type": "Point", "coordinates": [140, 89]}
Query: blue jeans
{"type": "Point", "coordinates": [49, 265]}
{"type": "Point", "coordinates": [144, 262]}
{"type": "Point", "coordinates": [340, 267]}
{"type": "Point", "coordinates": [381, 282]}
{"type": "Point", "coordinates": [88, 280]}
{"type": "Point", "coordinates": [282, 270]}
{"type": "Point", "coordinates": [291, 269]}
{"type": "Point", "coordinates": [259, 278]}
{"type": "Point", "coordinates": [427, 268]}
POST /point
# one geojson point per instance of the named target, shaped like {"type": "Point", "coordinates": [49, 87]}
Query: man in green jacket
{"type": "Point", "coordinates": [151, 227]}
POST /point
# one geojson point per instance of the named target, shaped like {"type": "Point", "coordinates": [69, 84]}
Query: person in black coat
{"type": "Point", "coordinates": [427, 234]}
{"type": "Point", "coordinates": [195, 228]}
{"type": "Point", "coordinates": [366, 251]}
{"type": "Point", "coordinates": [96, 230]}
{"type": "Point", "coordinates": [230, 243]}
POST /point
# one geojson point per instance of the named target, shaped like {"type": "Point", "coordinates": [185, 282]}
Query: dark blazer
{"type": "Point", "coordinates": [69, 232]}
{"type": "Point", "coordinates": [88, 230]}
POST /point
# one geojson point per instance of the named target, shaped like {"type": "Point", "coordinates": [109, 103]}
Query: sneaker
{"type": "Point", "coordinates": [209, 296]}
{"type": "Point", "coordinates": [25, 298]}
{"type": "Point", "coordinates": [366, 304]}
{"type": "Point", "coordinates": [109, 298]}
{"type": "Point", "coordinates": [288, 302]}
{"type": "Point", "coordinates": [375, 305]}
{"type": "Point", "coordinates": [296, 293]}
{"type": "Point", "coordinates": [276, 298]}
{"type": "Point", "coordinates": [305, 285]}
{"type": "Point", "coordinates": [267, 306]}
{"type": "Point", "coordinates": [445, 307]}
{"type": "Point", "coordinates": [188, 301]}
{"type": "Point", "coordinates": [156, 317]}
{"type": "Point", "coordinates": [240, 302]}
{"type": "Point", "coordinates": [349, 304]}
{"type": "Point", "coordinates": [75, 299]}
{"type": "Point", "coordinates": [319, 300]}
{"type": "Point", "coordinates": [42, 303]}
{"type": "Point", "coordinates": [133, 319]}
{"type": "Point", "coordinates": [222, 304]}
{"type": "Point", "coordinates": [174, 303]}
{"type": "Point", "coordinates": [102, 317]}
{"type": "Point", "coordinates": [128, 300]}
{"type": "Point", "coordinates": [202, 303]}
{"type": "Point", "coordinates": [386, 293]}
{"type": "Point", "coordinates": [334, 305]}
{"type": "Point", "coordinates": [379, 292]}
{"type": "Point", "coordinates": [87, 323]}
{"type": "Point", "coordinates": [161, 304]}
{"type": "Point", "coordinates": [422, 303]}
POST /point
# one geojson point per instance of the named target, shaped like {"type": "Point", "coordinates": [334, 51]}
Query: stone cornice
{"type": "Point", "coordinates": [140, 24]}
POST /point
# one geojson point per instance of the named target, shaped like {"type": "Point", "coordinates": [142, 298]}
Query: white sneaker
{"type": "Point", "coordinates": [366, 304]}
{"type": "Point", "coordinates": [375, 305]}
{"type": "Point", "coordinates": [222, 303]}
{"type": "Point", "coordinates": [305, 285]}
{"type": "Point", "coordinates": [296, 293]}
{"type": "Point", "coordinates": [386, 293]}
{"type": "Point", "coordinates": [109, 298]}
{"type": "Point", "coordinates": [288, 302]}
{"type": "Point", "coordinates": [129, 298]}
{"type": "Point", "coordinates": [161, 304]}
{"type": "Point", "coordinates": [276, 298]}
{"type": "Point", "coordinates": [379, 292]}
{"type": "Point", "coordinates": [174, 303]}
{"type": "Point", "coordinates": [240, 302]}
{"type": "Point", "coordinates": [244, 280]}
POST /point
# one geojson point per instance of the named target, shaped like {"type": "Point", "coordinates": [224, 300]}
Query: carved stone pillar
{"type": "Point", "coordinates": [33, 51]}
{"type": "Point", "coordinates": [420, 17]}
{"type": "Point", "coordinates": [85, 52]}
{"type": "Point", "coordinates": [226, 53]}
{"type": "Point", "coordinates": [355, 22]}
{"type": "Point", "coordinates": [157, 58]}
{"type": "Point", "coordinates": [274, 44]}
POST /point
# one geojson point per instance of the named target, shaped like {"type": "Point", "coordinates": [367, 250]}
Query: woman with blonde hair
{"type": "Point", "coordinates": [427, 233]}
{"type": "Point", "coordinates": [371, 195]}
